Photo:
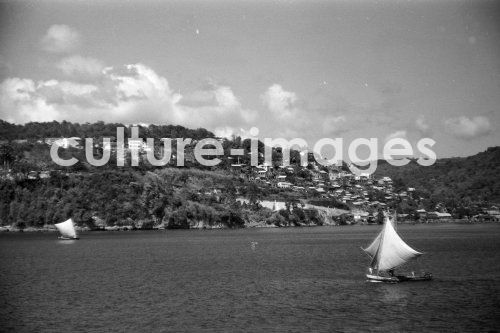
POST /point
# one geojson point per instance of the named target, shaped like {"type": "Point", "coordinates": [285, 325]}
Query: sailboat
{"type": "Point", "coordinates": [67, 229]}
{"type": "Point", "coordinates": [388, 251]}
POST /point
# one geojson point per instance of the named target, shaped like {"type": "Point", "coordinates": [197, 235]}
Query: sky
{"type": "Point", "coordinates": [308, 69]}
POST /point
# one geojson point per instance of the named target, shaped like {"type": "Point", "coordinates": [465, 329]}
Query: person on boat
{"type": "Point", "coordinates": [391, 272]}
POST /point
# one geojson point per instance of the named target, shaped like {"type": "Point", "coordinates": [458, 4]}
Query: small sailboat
{"type": "Point", "coordinates": [67, 229]}
{"type": "Point", "coordinates": [388, 251]}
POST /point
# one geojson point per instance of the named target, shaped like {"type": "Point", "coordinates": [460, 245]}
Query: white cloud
{"type": "Point", "coordinates": [279, 101]}
{"type": "Point", "coordinates": [283, 117]}
{"type": "Point", "coordinates": [397, 134]}
{"type": "Point", "coordinates": [422, 125]}
{"type": "Point", "coordinates": [139, 82]}
{"type": "Point", "coordinates": [129, 94]}
{"type": "Point", "coordinates": [215, 107]}
{"type": "Point", "coordinates": [289, 117]}
{"type": "Point", "coordinates": [213, 95]}
{"type": "Point", "coordinates": [468, 128]}
{"type": "Point", "coordinates": [134, 94]}
{"type": "Point", "coordinates": [228, 132]}
{"type": "Point", "coordinates": [78, 66]}
{"type": "Point", "coordinates": [61, 38]}
{"type": "Point", "coordinates": [226, 98]}
{"type": "Point", "coordinates": [225, 132]}
{"type": "Point", "coordinates": [333, 124]}
{"type": "Point", "coordinates": [19, 102]}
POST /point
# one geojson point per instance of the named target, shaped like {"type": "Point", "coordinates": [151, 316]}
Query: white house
{"type": "Point", "coordinates": [283, 184]}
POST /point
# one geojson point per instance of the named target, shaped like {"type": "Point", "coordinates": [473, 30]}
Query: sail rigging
{"type": "Point", "coordinates": [388, 250]}
{"type": "Point", "coordinates": [66, 228]}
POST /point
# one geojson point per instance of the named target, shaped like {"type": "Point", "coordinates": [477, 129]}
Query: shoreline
{"type": "Point", "coordinates": [6, 229]}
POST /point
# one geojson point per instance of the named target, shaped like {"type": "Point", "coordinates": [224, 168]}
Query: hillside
{"type": "Point", "coordinates": [468, 179]}
{"type": "Point", "coordinates": [34, 191]}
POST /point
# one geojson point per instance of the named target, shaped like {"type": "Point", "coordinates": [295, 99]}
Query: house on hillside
{"type": "Point", "coordinates": [387, 180]}
{"type": "Point", "coordinates": [284, 185]}
{"type": "Point", "coordinates": [138, 144]}
{"type": "Point", "coordinates": [273, 205]}
{"type": "Point", "coordinates": [494, 213]}
{"type": "Point", "coordinates": [281, 177]}
{"type": "Point", "coordinates": [333, 174]}
{"type": "Point", "coordinates": [111, 146]}
{"type": "Point", "coordinates": [438, 216]}
{"type": "Point", "coordinates": [421, 213]}
{"type": "Point", "coordinates": [44, 174]}
{"type": "Point", "coordinates": [315, 176]}
{"type": "Point", "coordinates": [364, 176]}
{"type": "Point", "coordinates": [323, 175]}
{"type": "Point", "coordinates": [65, 142]}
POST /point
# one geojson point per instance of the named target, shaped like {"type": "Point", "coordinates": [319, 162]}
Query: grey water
{"type": "Point", "coordinates": [247, 280]}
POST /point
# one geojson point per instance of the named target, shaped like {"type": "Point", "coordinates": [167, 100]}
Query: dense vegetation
{"type": "Point", "coordinates": [117, 196]}
{"type": "Point", "coordinates": [120, 197]}
{"type": "Point", "coordinates": [173, 198]}
{"type": "Point", "coordinates": [459, 181]}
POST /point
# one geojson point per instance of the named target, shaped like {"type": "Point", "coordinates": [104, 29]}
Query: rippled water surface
{"type": "Point", "coordinates": [297, 279]}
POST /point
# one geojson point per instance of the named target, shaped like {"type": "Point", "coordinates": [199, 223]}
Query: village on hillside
{"type": "Point", "coordinates": [363, 197]}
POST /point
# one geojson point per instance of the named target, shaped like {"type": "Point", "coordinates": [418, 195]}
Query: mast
{"type": "Point", "coordinates": [376, 259]}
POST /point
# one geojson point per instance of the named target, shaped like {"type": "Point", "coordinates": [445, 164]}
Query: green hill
{"type": "Point", "coordinates": [472, 179]}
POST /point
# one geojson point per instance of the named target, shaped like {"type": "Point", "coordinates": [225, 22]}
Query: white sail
{"type": "Point", "coordinates": [388, 250]}
{"type": "Point", "coordinates": [66, 228]}
{"type": "Point", "coordinates": [373, 247]}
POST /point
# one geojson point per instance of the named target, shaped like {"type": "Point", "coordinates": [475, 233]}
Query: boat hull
{"type": "Point", "coordinates": [425, 277]}
{"type": "Point", "coordinates": [398, 278]}
{"type": "Point", "coordinates": [68, 238]}
{"type": "Point", "coordinates": [378, 278]}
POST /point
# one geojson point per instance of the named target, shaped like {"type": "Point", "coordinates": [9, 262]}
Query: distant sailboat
{"type": "Point", "coordinates": [388, 251]}
{"type": "Point", "coordinates": [67, 229]}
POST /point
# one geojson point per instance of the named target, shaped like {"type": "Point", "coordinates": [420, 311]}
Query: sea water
{"type": "Point", "coordinates": [247, 280]}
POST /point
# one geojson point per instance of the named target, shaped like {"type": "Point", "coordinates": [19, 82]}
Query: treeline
{"type": "Point", "coordinates": [30, 154]}
{"type": "Point", "coordinates": [175, 198]}
{"type": "Point", "coordinates": [33, 132]}
{"type": "Point", "coordinates": [172, 198]}
{"type": "Point", "coordinates": [54, 129]}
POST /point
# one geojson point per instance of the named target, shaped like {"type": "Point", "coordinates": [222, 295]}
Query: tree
{"type": "Point", "coordinates": [6, 156]}
{"type": "Point", "coordinates": [156, 195]}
